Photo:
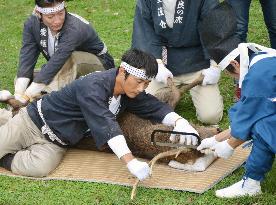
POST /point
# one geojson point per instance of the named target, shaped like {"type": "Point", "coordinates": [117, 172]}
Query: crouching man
{"type": "Point", "coordinates": [34, 141]}
{"type": "Point", "coordinates": [253, 117]}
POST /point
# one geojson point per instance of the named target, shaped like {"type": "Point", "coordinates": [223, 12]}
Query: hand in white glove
{"type": "Point", "coordinates": [183, 125]}
{"type": "Point", "coordinates": [163, 73]}
{"type": "Point", "coordinates": [21, 98]}
{"type": "Point", "coordinates": [223, 149]}
{"type": "Point", "coordinates": [34, 90]}
{"type": "Point", "coordinates": [139, 169]}
{"type": "Point", "coordinates": [5, 95]}
{"type": "Point", "coordinates": [211, 74]}
{"type": "Point", "coordinates": [21, 85]}
{"type": "Point", "coordinates": [207, 143]}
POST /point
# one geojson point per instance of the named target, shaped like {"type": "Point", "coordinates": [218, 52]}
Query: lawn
{"type": "Point", "coordinates": [113, 21]}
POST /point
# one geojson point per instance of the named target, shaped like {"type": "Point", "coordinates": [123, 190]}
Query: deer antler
{"type": "Point", "coordinates": [172, 152]}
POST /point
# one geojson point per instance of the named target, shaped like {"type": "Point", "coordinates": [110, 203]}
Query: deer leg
{"type": "Point", "coordinates": [200, 164]}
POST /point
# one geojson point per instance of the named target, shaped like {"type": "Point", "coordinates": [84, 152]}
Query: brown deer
{"type": "Point", "coordinates": [138, 131]}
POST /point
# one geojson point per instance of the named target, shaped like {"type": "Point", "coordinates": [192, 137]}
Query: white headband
{"type": "Point", "coordinates": [50, 10]}
{"type": "Point", "coordinates": [242, 50]}
{"type": "Point", "coordinates": [139, 73]}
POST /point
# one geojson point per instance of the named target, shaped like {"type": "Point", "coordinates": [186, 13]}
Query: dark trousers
{"type": "Point", "coordinates": [260, 159]}
{"type": "Point", "coordinates": [241, 8]}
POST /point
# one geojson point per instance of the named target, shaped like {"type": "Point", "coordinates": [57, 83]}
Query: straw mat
{"type": "Point", "coordinates": [94, 166]}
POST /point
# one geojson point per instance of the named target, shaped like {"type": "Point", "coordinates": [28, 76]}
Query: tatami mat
{"type": "Point", "coordinates": [93, 166]}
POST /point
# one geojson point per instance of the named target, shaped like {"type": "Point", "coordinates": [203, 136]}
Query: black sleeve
{"type": "Point", "coordinates": [148, 107]}
{"type": "Point", "coordinates": [29, 52]}
{"type": "Point", "coordinates": [206, 7]}
{"type": "Point", "coordinates": [93, 101]}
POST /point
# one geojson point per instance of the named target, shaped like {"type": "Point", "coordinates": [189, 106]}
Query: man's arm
{"type": "Point", "coordinates": [137, 168]}
{"type": "Point", "coordinates": [144, 36]}
{"type": "Point", "coordinates": [28, 57]}
{"type": "Point", "coordinates": [29, 51]}
{"type": "Point", "coordinates": [223, 144]}
{"type": "Point", "coordinates": [234, 142]}
{"type": "Point", "coordinates": [92, 98]}
{"type": "Point", "coordinates": [181, 125]}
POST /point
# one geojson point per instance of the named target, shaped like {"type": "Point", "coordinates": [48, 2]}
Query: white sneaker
{"type": "Point", "coordinates": [245, 187]}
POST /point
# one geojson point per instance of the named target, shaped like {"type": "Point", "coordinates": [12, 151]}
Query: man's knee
{"type": "Point", "coordinates": [39, 170]}
{"type": "Point", "coordinates": [210, 116]}
{"type": "Point", "coordinates": [34, 165]}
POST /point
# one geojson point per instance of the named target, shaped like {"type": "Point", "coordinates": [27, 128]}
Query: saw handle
{"type": "Point", "coordinates": [153, 138]}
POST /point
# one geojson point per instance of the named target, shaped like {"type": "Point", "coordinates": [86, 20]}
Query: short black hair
{"type": "Point", "coordinates": [141, 60]}
{"type": "Point", "coordinates": [230, 68]}
{"type": "Point", "coordinates": [47, 3]}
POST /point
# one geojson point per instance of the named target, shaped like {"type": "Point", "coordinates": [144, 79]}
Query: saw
{"type": "Point", "coordinates": [155, 142]}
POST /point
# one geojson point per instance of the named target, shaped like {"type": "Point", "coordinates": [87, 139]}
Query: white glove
{"type": "Point", "coordinates": [21, 98]}
{"type": "Point", "coordinates": [223, 149]}
{"type": "Point", "coordinates": [183, 125]}
{"type": "Point", "coordinates": [21, 85]}
{"type": "Point", "coordinates": [5, 95]}
{"type": "Point", "coordinates": [139, 169]}
{"type": "Point", "coordinates": [207, 143]}
{"type": "Point", "coordinates": [211, 74]}
{"type": "Point", "coordinates": [163, 73]}
{"type": "Point", "coordinates": [34, 90]}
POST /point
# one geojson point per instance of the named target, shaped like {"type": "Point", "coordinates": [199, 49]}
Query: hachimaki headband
{"type": "Point", "coordinates": [50, 10]}
{"type": "Point", "coordinates": [139, 73]}
{"type": "Point", "coordinates": [242, 50]}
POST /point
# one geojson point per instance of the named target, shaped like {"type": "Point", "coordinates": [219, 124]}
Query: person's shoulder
{"type": "Point", "coordinates": [32, 20]}
{"type": "Point", "coordinates": [263, 69]}
{"type": "Point", "coordinates": [143, 3]}
{"type": "Point", "coordinates": [260, 80]}
{"type": "Point", "coordinates": [77, 26]}
{"type": "Point", "coordinates": [103, 78]}
{"type": "Point", "coordinates": [77, 20]}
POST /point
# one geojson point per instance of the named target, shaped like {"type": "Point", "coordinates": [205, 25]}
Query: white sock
{"type": "Point", "coordinates": [119, 146]}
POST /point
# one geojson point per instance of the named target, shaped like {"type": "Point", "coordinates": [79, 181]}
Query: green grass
{"type": "Point", "coordinates": [113, 21]}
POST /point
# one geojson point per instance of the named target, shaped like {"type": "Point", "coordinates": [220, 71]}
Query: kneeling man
{"type": "Point", "coordinates": [34, 141]}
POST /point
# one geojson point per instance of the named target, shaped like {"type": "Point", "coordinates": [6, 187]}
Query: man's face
{"type": "Point", "coordinates": [54, 21]}
{"type": "Point", "coordinates": [132, 86]}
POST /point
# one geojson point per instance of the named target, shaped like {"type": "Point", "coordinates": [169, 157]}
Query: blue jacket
{"type": "Point", "coordinates": [255, 112]}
